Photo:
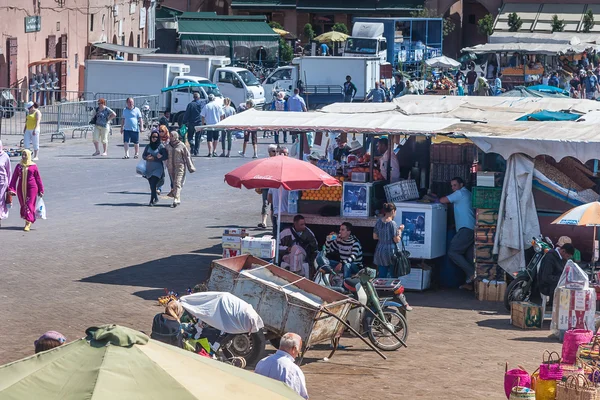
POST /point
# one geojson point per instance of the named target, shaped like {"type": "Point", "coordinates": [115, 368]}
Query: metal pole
{"type": "Point", "coordinates": [278, 225]}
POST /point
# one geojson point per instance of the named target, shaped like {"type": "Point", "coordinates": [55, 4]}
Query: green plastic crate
{"type": "Point", "coordinates": [486, 197]}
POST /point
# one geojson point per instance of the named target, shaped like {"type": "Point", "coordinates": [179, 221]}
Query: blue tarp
{"type": "Point", "coordinates": [188, 85]}
{"type": "Point", "coordinates": [548, 89]}
{"type": "Point", "coordinates": [550, 116]}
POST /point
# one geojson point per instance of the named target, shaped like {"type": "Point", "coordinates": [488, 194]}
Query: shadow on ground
{"type": "Point", "coordinates": [454, 299]}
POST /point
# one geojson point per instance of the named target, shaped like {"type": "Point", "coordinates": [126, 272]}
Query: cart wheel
{"type": "Point", "coordinates": [250, 347]}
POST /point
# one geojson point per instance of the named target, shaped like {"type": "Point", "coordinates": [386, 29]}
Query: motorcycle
{"type": "Point", "coordinates": [376, 317]}
{"type": "Point", "coordinates": [146, 114]}
{"type": "Point", "coordinates": [224, 326]}
{"type": "Point", "coordinates": [521, 288]}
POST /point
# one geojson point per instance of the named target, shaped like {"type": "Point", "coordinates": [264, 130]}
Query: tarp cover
{"type": "Point", "coordinates": [545, 115]}
{"type": "Point", "coordinates": [549, 89]}
{"type": "Point", "coordinates": [517, 217]}
{"type": "Point", "coordinates": [223, 311]}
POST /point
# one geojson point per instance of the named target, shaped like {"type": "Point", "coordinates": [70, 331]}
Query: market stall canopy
{"type": "Point", "coordinates": [225, 29]}
{"type": "Point", "coordinates": [333, 122]}
{"type": "Point", "coordinates": [332, 36]}
{"type": "Point", "coordinates": [544, 37]}
{"type": "Point", "coordinates": [117, 48]}
{"type": "Point", "coordinates": [442, 62]}
{"type": "Point", "coordinates": [354, 6]}
{"type": "Point", "coordinates": [531, 48]}
{"type": "Point", "coordinates": [114, 362]}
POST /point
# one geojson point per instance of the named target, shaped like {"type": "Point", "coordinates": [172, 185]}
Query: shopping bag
{"type": "Point", "coordinates": [550, 367]}
{"type": "Point", "coordinates": [40, 208]}
{"type": "Point", "coordinates": [545, 390]}
{"type": "Point", "coordinates": [140, 168]}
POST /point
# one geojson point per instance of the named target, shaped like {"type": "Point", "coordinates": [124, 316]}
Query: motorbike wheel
{"type": "Point", "coordinates": [381, 338]}
{"type": "Point", "coordinates": [517, 290]}
{"type": "Point", "coordinates": [250, 347]}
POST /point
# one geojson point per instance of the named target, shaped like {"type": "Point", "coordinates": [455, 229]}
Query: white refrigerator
{"type": "Point", "coordinates": [424, 228]}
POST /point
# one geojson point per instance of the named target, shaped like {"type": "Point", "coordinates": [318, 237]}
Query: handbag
{"type": "Point", "coordinates": [94, 118]}
{"type": "Point", "coordinates": [550, 368]}
{"type": "Point", "coordinates": [8, 198]}
{"type": "Point", "coordinates": [140, 168]}
{"type": "Point", "coordinates": [576, 387]}
{"type": "Point", "coordinates": [401, 265]}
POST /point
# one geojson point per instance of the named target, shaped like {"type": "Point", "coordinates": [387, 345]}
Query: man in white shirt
{"type": "Point", "coordinates": [281, 365]}
{"type": "Point", "coordinates": [383, 148]}
{"type": "Point", "coordinates": [273, 198]}
{"type": "Point", "coordinates": [211, 114]}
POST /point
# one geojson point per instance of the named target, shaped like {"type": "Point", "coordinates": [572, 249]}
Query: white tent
{"type": "Point", "coordinates": [442, 62]}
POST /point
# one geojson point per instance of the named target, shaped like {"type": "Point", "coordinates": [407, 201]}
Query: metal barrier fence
{"type": "Point", "coordinates": [74, 117]}
{"type": "Point", "coordinates": [42, 97]}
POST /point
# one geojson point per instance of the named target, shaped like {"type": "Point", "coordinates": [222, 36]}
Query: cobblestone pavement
{"type": "Point", "coordinates": [103, 256]}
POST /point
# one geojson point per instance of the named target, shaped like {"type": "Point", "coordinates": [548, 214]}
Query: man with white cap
{"type": "Point", "coordinates": [211, 114]}
{"type": "Point", "coordinates": [31, 131]}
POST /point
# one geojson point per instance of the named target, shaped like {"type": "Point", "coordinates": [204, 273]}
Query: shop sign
{"type": "Point", "coordinates": [33, 24]}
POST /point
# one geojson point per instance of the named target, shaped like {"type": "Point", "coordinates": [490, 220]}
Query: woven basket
{"type": "Point", "coordinates": [522, 393]}
{"type": "Point", "coordinates": [576, 387]}
{"type": "Point", "coordinates": [550, 368]}
{"type": "Point", "coordinates": [574, 338]}
{"type": "Point", "coordinates": [515, 377]}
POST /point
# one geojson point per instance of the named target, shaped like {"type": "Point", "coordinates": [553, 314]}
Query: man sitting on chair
{"type": "Point", "coordinates": [298, 248]}
{"type": "Point", "coordinates": [552, 267]}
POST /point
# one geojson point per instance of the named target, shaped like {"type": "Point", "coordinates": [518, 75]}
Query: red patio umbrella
{"type": "Point", "coordinates": [279, 173]}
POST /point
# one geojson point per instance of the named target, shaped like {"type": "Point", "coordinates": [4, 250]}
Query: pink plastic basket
{"type": "Point", "coordinates": [515, 377]}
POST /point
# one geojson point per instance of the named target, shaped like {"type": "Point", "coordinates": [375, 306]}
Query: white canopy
{"type": "Point", "coordinates": [530, 48]}
{"type": "Point", "coordinates": [442, 62]}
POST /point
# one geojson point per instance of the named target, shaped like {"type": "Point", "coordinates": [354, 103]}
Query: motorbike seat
{"type": "Point", "coordinates": [338, 289]}
{"type": "Point", "coordinates": [351, 283]}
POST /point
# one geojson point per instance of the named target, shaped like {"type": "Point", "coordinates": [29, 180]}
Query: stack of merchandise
{"type": "Point", "coordinates": [261, 247]}
{"type": "Point", "coordinates": [231, 241]}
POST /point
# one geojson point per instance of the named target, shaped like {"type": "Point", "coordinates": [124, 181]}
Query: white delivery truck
{"type": "Point", "coordinates": [367, 40]}
{"type": "Point", "coordinates": [323, 78]}
{"type": "Point", "coordinates": [238, 84]}
{"type": "Point", "coordinates": [111, 78]}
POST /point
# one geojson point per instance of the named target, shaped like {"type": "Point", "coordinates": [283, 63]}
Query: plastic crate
{"type": "Point", "coordinates": [486, 197]}
{"type": "Point", "coordinates": [401, 191]}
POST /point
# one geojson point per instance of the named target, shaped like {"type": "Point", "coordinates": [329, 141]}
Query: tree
{"type": "Point", "coordinates": [588, 21]}
{"type": "Point", "coordinates": [276, 25]}
{"type": "Point", "coordinates": [514, 22]}
{"type": "Point", "coordinates": [558, 25]}
{"type": "Point", "coordinates": [340, 27]}
{"type": "Point", "coordinates": [286, 53]}
{"type": "Point", "coordinates": [309, 32]}
{"type": "Point", "coordinates": [449, 25]}
{"type": "Point", "coordinates": [485, 25]}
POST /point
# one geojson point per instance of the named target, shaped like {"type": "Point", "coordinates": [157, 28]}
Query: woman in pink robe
{"type": "Point", "coordinates": [5, 173]}
{"type": "Point", "coordinates": [27, 184]}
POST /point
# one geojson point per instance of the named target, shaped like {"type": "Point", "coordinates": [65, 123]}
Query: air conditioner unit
{"type": "Point", "coordinates": [221, 62]}
{"type": "Point", "coordinates": [180, 69]}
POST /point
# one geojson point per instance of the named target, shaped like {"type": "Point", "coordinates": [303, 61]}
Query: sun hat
{"type": "Point", "coordinates": [29, 104]}
{"type": "Point", "coordinates": [355, 145]}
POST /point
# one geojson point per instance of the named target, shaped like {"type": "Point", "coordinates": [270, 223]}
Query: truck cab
{"type": "Point", "coordinates": [239, 85]}
{"type": "Point", "coordinates": [367, 40]}
{"type": "Point", "coordinates": [180, 98]}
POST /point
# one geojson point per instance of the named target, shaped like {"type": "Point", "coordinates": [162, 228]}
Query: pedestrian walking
{"type": "Point", "coordinates": [211, 114]}
{"type": "Point", "coordinates": [155, 155]}
{"type": "Point", "coordinates": [482, 87]}
{"type": "Point", "coordinates": [296, 102]}
{"type": "Point", "coordinates": [349, 90]}
{"type": "Point", "coordinates": [178, 161]}
{"type": "Point", "coordinates": [471, 78]}
{"type": "Point", "coordinates": [31, 131]}
{"type": "Point", "coordinates": [460, 82]}
{"type": "Point", "coordinates": [228, 111]}
{"type": "Point", "coordinates": [388, 235]}
{"type": "Point", "coordinates": [498, 85]}
{"type": "Point", "coordinates": [101, 122]}
{"type": "Point", "coordinates": [163, 133]}
{"type": "Point", "coordinates": [248, 135]}
{"type": "Point", "coordinates": [281, 366]}
{"type": "Point", "coordinates": [279, 104]}
{"type": "Point", "coordinates": [398, 87]}
{"type": "Point", "coordinates": [191, 119]}
{"type": "Point", "coordinates": [5, 174]}
{"type": "Point", "coordinates": [26, 183]}
{"type": "Point", "coordinates": [376, 95]}
{"type": "Point", "coordinates": [131, 128]}
{"type": "Point", "coordinates": [590, 84]}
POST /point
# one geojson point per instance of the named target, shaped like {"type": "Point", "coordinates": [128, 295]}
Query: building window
{"type": "Point", "coordinates": [91, 22]}
{"type": "Point", "coordinates": [472, 19]}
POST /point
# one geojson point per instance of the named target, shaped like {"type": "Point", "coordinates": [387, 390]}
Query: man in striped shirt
{"type": "Point", "coordinates": [346, 250]}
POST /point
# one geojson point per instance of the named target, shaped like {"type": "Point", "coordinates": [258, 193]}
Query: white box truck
{"type": "Point", "coordinates": [367, 40]}
{"type": "Point", "coordinates": [323, 78]}
{"type": "Point", "coordinates": [111, 77]}
{"type": "Point", "coordinates": [238, 84]}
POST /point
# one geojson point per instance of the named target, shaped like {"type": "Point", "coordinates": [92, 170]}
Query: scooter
{"type": "Point", "coordinates": [373, 316]}
{"type": "Point", "coordinates": [521, 288]}
{"type": "Point", "coordinates": [146, 114]}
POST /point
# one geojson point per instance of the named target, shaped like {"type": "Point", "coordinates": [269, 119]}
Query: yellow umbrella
{"type": "Point", "coordinates": [280, 32]}
{"type": "Point", "coordinates": [332, 36]}
{"type": "Point", "coordinates": [583, 215]}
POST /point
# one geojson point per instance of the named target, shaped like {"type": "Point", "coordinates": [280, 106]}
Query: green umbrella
{"type": "Point", "coordinates": [115, 362]}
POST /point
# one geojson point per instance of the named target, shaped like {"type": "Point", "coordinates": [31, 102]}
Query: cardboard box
{"type": "Point", "coordinates": [418, 279]}
{"type": "Point", "coordinates": [486, 217]}
{"type": "Point", "coordinates": [485, 235]}
{"type": "Point", "coordinates": [260, 253]}
{"type": "Point", "coordinates": [526, 315]}
{"type": "Point", "coordinates": [231, 242]}
{"type": "Point", "coordinates": [228, 253]}
{"type": "Point", "coordinates": [490, 290]}
{"type": "Point", "coordinates": [265, 242]}
{"type": "Point", "coordinates": [483, 253]}
{"type": "Point", "coordinates": [234, 232]}
{"type": "Point", "coordinates": [489, 179]}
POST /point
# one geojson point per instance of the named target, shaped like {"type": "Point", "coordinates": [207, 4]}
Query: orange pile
{"type": "Point", "coordinates": [325, 193]}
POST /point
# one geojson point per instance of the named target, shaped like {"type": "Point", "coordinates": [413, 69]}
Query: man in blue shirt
{"type": "Point", "coordinates": [192, 118]}
{"type": "Point", "coordinates": [211, 114]}
{"type": "Point", "coordinates": [296, 102]}
{"type": "Point", "coordinates": [324, 49]}
{"type": "Point", "coordinates": [130, 128]}
{"type": "Point", "coordinates": [591, 85]}
{"type": "Point", "coordinates": [377, 95]}
{"type": "Point", "coordinates": [461, 246]}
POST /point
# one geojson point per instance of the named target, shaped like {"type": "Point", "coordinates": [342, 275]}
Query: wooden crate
{"type": "Point", "coordinates": [486, 217]}
{"type": "Point", "coordinates": [526, 315]}
{"type": "Point", "coordinates": [490, 290]}
{"type": "Point", "coordinates": [485, 235]}
{"type": "Point", "coordinates": [489, 271]}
